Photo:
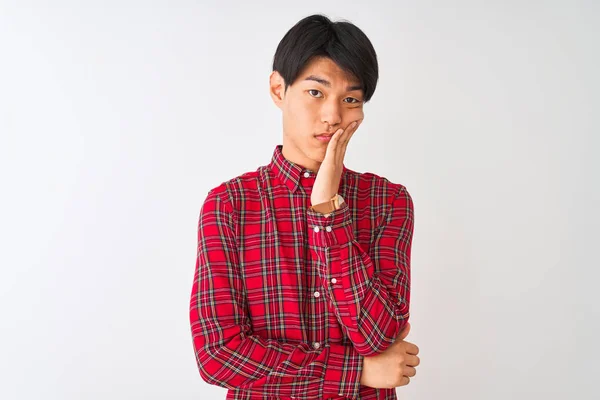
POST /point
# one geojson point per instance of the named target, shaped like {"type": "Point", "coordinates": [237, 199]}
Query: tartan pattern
{"type": "Point", "coordinates": [285, 301]}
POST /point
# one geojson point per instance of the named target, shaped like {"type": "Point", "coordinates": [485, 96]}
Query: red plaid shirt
{"type": "Point", "coordinates": [286, 301]}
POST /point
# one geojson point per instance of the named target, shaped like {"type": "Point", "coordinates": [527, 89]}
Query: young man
{"type": "Point", "coordinates": [302, 281]}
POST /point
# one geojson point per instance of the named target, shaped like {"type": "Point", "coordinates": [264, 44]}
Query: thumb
{"type": "Point", "coordinates": [404, 332]}
{"type": "Point", "coordinates": [332, 143]}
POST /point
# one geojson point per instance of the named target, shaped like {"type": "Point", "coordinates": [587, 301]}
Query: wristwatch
{"type": "Point", "coordinates": [329, 206]}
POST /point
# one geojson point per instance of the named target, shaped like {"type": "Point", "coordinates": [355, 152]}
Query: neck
{"type": "Point", "coordinates": [295, 155]}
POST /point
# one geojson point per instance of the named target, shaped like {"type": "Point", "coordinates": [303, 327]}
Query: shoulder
{"type": "Point", "coordinates": [391, 200]}
{"type": "Point", "coordinates": [234, 189]}
{"type": "Point", "coordinates": [374, 183]}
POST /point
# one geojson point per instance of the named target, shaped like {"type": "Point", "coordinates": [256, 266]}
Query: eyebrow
{"type": "Point", "coordinates": [325, 82]}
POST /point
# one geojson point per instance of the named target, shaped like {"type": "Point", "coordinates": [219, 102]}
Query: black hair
{"type": "Point", "coordinates": [317, 36]}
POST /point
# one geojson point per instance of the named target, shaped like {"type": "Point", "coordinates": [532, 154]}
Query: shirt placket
{"type": "Point", "coordinates": [317, 298]}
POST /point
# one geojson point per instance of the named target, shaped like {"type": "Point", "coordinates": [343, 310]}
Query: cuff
{"type": "Point", "coordinates": [343, 372]}
{"type": "Point", "coordinates": [331, 230]}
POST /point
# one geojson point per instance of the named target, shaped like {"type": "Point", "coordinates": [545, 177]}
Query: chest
{"type": "Point", "coordinates": [272, 236]}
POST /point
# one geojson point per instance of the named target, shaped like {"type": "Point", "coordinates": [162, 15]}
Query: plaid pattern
{"type": "Point", "coordinates": [286, 301]}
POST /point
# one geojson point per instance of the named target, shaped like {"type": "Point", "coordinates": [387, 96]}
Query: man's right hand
{"type": "Point", "coordinates": [394, 366]}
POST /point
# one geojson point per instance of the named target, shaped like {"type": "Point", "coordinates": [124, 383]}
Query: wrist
{"type": "Point", "coordinates": [329, 205]}
{"type": "Point", "coordinates": [321, 200]}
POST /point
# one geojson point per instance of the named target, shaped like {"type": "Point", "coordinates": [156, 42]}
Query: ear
{"type": "Point", "coordinates": [277, 88]}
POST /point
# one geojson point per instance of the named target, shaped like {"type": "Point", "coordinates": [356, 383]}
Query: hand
{"type": "Point", "coordinates": [394, 366]}
{"type": "Point", "coordinates": [328, 177]}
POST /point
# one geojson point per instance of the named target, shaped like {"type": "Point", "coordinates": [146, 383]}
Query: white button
{"type": "Point", "coordinates": [316, 345]}
{"type": "Point", "coordinates": [328, 229]}
{"type": "Point", "coordinates": [316, 229]}
{"type": "Point", "coordinates": [317, 294]}
{"type": "Point", "coordinates": [333, 280]}
{"type": "Point", "coordinates": [306, 174]}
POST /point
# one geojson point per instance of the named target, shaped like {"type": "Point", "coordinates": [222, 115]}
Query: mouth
{"type": "Point", "coordinates": [324, 137]}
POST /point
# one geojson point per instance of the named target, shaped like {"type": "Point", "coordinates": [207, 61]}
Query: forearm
{"type": "Point", "coordinates": [228, 355]}
{"type": "Point", "coordinates": [369, 293]}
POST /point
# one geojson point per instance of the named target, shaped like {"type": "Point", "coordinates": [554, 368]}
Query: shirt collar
{"type": "Point", "coordinates": [290, 173]}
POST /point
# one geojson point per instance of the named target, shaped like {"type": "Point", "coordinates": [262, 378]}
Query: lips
{"type": "Point", "coordinates": [324, 138]}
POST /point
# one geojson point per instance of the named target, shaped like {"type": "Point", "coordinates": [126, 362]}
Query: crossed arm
{"type": "Point", "coordinates": [370, 298]}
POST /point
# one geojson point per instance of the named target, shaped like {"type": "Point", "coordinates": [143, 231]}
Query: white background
{"type": "Point", "coordinates": [117, 117]}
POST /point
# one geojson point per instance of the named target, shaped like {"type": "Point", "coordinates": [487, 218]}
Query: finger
{"type": "Point", "coordinates": [405, 380]}
{"type": "Point", "coordinates": [354, 128]}
{"type": "Point", "coordinates": [336, 136]}
{"type": "Point", "coordinates": [410, 371]}
{"type": "Point", "coordinates": [411, 348]}
{"type": "Point", "coordinates": [412, 360]}
{"type": "Point", "coordinates": [348, 133]}
{"type": "Point", "coordinates": [345, 139]}
{"type": "Point", "coordinates": [342, 142]}
{"type": "Point", "coordinates": [341, 151]}
{"type": "Point", "coordinates": [331, 147]}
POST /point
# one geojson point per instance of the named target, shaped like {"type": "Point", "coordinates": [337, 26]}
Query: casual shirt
{"type": "Point", "coordinates": [286, 302]}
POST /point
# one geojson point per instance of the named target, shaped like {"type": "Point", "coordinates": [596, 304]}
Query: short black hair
{"type": "Point", "coordinates": [343, 42]}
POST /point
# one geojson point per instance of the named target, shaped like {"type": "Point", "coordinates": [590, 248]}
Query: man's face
{"type": "Point", "coordinates": [322, 99]}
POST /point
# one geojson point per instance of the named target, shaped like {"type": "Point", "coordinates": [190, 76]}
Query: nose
{"type": "Point", "coordinates": [330, 114]}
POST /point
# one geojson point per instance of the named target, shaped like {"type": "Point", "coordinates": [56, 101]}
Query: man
{"type": "Point", "coordinates": [302, 282]}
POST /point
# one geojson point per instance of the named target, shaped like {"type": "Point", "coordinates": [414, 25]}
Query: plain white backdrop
{"type": "Point", "coordinates": [117, 117]}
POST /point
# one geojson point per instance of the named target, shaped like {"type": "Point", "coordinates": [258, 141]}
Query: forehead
{"type": "Point", "coordinates": [325, 68]}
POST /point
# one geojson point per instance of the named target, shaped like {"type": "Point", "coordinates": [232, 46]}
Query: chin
{"type": "Point", "coordinates": [318, 155]}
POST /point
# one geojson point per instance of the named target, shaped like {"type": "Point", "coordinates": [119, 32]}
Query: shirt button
{"type": "Point", "coordinates": [317, 294]}
{"type": "Point", "coordinates": [333, 280]}
{"type": "Point", "coordinates": [328, 229]}
{"type": "Point", "coordinates": [306, 174]}
{"type": "Point", "coordinates": [316, 229]}
{"type": "Point", "coordinates": [316, 345]}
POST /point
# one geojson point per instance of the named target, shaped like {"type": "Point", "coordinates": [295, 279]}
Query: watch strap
{"type": "Point", "coordinates": [327, 206]}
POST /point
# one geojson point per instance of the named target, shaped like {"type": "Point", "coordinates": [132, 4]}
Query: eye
{"type": "Point", "coordinates": [355, 101]}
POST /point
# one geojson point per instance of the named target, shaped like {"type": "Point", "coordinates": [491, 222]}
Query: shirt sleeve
{"type": "Point", "coordinates": [369, 292]}
{"type": "Point", "coordinates": [228, 353]}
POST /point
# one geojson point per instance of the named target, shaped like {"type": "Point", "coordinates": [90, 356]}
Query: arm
{"type": "Point", "coordinates": [370, 293]}
{"type": "Point", "coordinates": [228, 354]}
